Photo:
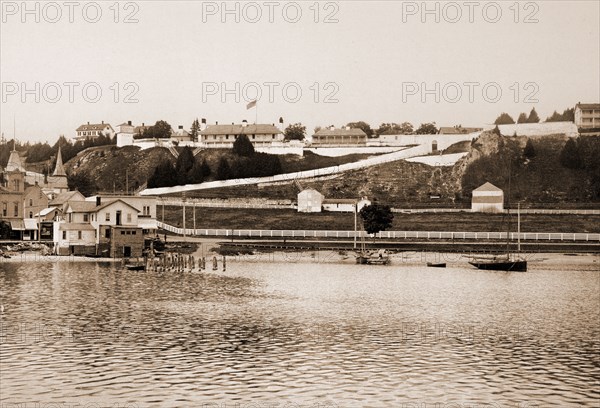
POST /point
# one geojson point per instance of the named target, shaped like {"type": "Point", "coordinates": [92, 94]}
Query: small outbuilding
{"type": "Point", "coordinates": [487, 198]}
{"type": "Point", "coordinates": [310, 201]}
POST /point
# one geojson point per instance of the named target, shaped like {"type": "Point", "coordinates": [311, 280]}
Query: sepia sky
{"type": "Point", "coordinates": [369, 62]}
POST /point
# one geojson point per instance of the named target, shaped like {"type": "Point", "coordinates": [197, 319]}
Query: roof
{"type": "Point", "coordinates": [111, 202]}
{"type": "Point", "coordinates": [81, 206]}
{"type": "Point", "coordinates": [17, 225]}
{"type": "Point", "coordinates": [94, 126]}
{"type": "Point", "coordinates": [588, 105]}
{"type": "Point", "coordinates": [339, 201]}
{"type": "Point", "coordinates": [487, 187]}
{"type": "Point", "coordinates": [458, 130]}
{"type": "Point", "coordinates": [241, 130]}
{"type": "Point", "coordinates": [72, 226]}
{"type": "Point", "coordinates": [14, 162]}
{"type": "Point", "coordinates": [66, 196]}
{"type": "Point", "coordinates": [59, 169]}
{"type": "Point", "coordinates": [30, 224]}
{"type": "Point", "coordinates": [47, 211]}
{"type": "Point", "coordinates": [309, 189]}
{"type": "Point", "coordinates": [341, 132]}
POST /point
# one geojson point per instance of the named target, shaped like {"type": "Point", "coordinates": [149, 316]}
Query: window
{"type": "Point", "coordinates": [107, 233]}
{"type": "Point", "coordinates": [79, 235]}
{"type": "Point", "coordinates": [31, 202]}
{"type": "Point", "coordinates": [122, 232]}
{"type": "Point", "coordinates": [16, 209]}
{"type": "Point", "coordinates": [107, 216]}
{"type": "Point", "coordinates": [4, 210]}
{"type": "Point", "coordinates": [128, 217]}
{"type": "Point", "coordinates": [64, 235]}
{"type": "Point", "coordinates": [30, 214]}
{"type": "Point", "coordinates": [86, 217]}
{"type": "Point", "coordinates": [132, 232]}
{"type": "Point", "coordinates": [70, 218]}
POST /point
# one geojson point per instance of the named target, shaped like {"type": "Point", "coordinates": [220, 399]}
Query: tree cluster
{"type": "Point", "coordinates": [295, 132]}
{"type": "Point", "coordinates": [568, 115]}
{"type": "Point", "coordinates": [376, 217]}
{"type": "Point", "coordinates": [160, 130]}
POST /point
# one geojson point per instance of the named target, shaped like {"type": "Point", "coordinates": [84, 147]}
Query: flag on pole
{"type": "Point", "coordinates": [251, 105]}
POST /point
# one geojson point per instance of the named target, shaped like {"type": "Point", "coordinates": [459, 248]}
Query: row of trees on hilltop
{"type": "Point", "coordinates": [41, 152]}
{"type": "Point", "coordinates": [392, 128]}
{"type": "Point", "coordinates": [504, 118]}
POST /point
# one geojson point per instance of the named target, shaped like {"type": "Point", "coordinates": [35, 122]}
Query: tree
{"type": "Point", "coordinates": [224, 170]}
{"type": "Point", "coordinates": [164, 175]}
{"type": "Point", "coordinates": [317, 129]}
{"type": "Point", "coordinates": [184, 164]}
{"type": "Point", "coordinates": [427, 129]}
{"type": "Point", "coordinates": [295, 132]}
{"type": "Point", "coordinates": [570, 156]}
{"type": "Point", "coordinates": [195, 130]}
{"type": "Point", "coordinates": [243, 147]}
{"type": "Point", "coordinates": [83, 183]}
{"type": "Point", "coordinates": [529, 150]}
{"type": "Point", "coordinates": [504, 119]}
{"type": "Point", "coordinates": [364, 126]}
{"type": "Point", "coordinates": [568, 115]}
{"type": "Point", "coordinates": [533, 117]}
{"type": "Point", "coordinates": [376, 217]}
{"type": "Point", "coordinates": [205, 169]}
{"type": "Point", "coordinates": [405, 128]}
{"type": "Point", "coordinates": [522, 118]}
{"type": "Point", "coordinates": [160, 130]}
{"type": "Point", "coordinates": [196, 174]}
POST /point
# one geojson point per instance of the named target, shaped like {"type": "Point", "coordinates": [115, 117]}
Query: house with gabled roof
{"type": "Point", "coordinates": [93, 130]}
{"type": "Point", "coordinates": [107, 228]}
{"type": "Point", "coordinates": [223, 136]}
{"type": "Point", "coordinates": [345, 136]}
{"type": "Point", "coordinates": [487, 198]}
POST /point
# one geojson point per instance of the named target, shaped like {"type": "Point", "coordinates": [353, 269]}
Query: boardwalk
{"type": "Point", "coordinates": [425, 235]}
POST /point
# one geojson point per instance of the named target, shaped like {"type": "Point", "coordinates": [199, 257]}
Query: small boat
{"type": "Point", "coordinates": [436, 265]}
{"type": "Point", "coordinates": [134, 267]}
{"type": "Point", "coordinates": [503, 263]}
{"type": "Point", "coordinates": [380, 257]}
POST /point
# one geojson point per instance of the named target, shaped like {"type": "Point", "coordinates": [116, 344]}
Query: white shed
{"type": "Point", "coordinates": [310, 200]}
{"type": "Point", "coordinates": [487, 198]}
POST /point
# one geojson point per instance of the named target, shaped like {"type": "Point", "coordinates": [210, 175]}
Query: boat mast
{"type": "Point", "coordinates": [519, 227]}
{"type": "Point", "coordinates": [508, 212]}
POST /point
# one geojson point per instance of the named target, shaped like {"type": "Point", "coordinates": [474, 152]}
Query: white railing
{"type": "Point", "coordinates": [249, 233]}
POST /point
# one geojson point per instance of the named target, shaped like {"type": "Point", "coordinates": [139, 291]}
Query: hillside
{"type": "Point", "coordinates": [109, 168]}
{"type": "Point", "coordinates": [539, 182]}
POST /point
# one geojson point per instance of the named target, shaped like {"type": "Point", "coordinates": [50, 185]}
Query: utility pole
{"type": "Point", "coordinates": [183, 199]}
{"type": "Point", "coordinates": [355, 215]}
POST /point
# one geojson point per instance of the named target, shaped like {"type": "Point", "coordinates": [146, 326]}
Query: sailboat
{"type": "Point", "coordinates": [365, 257]}
{"type": "Point", "coordinates": [506, 262]}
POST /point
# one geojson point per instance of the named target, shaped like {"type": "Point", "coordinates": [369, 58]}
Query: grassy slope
{"type": "Point", "coordinates": [214, 218]}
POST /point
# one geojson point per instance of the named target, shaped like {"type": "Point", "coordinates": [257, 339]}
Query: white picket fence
{"type": "Point", "coordinates": [248, 233]}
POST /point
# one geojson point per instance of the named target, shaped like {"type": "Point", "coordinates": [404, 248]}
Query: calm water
{"type": "Point", "coordinates": [303, 332]}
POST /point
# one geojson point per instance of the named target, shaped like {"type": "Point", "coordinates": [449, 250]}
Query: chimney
{"type": "Point", "coordinates": [88, 123]}
{"type": "Point", "coordinates": [244, 123]}
{"type": "Point", "coordinates": [103, 122]}
{"type": "Point", "coordinates": [98, 201]}
{"type": "Point", "coordinates": [180, 127]}
{"type": "Point", "coordinates": [331, 127]}
{"type": "Point", "coordinates": [129, 122]}
{"type": "Point", "coordinates": [203, 124]}
{"type": "Point", "coordinates": [143, 124]}
{"type": "Point", "coordinates": [216, 123]}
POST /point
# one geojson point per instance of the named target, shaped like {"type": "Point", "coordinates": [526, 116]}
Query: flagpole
{"type": "Point", "coordinates": [256, 114]}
